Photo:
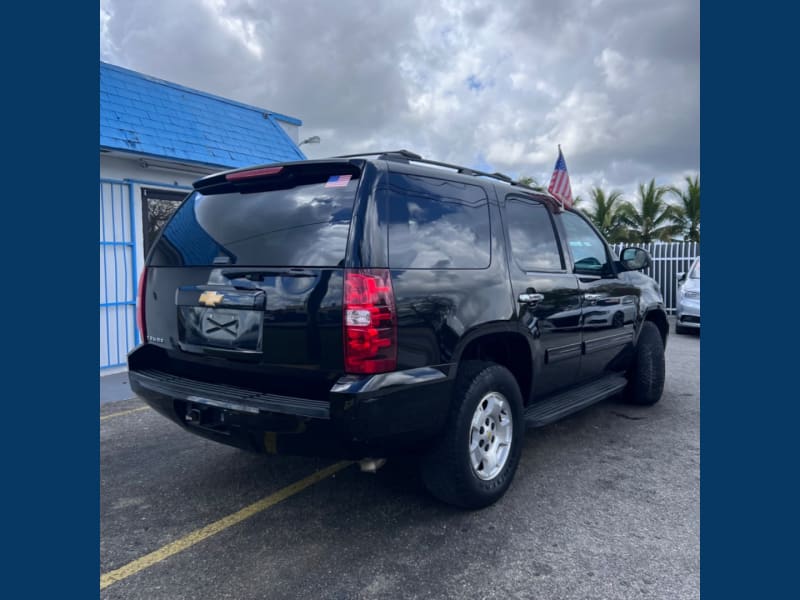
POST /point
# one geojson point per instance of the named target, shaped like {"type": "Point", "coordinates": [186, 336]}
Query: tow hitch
{"type": "Point", "coordinates": [207, 417]}
{"type": "Point", "coordinates": [193, 416]}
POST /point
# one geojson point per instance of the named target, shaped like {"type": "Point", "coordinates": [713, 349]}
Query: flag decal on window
{"type": "Point", "coordinates": [338, 180]}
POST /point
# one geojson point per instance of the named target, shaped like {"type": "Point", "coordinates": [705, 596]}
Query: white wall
{"type": "Point", "coordinates": [114, 167]}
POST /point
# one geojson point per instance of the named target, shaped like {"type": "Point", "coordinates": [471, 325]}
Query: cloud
{"type": "Point", "coordinates": [615, 82]}
{"type": "Point", "coordinates": [618, 71]}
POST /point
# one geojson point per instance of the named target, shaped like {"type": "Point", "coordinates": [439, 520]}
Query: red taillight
{"type": "Point", "coordinates": [250, 174]}
{"type": "Point", "coordinates": [140, 306]}
{"type": "Point", "coordinates": [370, 321]}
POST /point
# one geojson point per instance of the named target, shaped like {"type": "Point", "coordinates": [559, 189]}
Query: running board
{"type": "Point", "coordinates": [557, 407]}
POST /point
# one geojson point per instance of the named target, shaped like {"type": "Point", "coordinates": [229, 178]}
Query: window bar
{"type": "Point", "coordinates": [124, 265]}
{"type": "Point", "coordinates": [116, 278]}
{"type": "Point", "coordinates": [105, 273]}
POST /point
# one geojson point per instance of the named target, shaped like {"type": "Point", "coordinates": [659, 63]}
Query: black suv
{"type": "Point", "coordinates": [382, 304]}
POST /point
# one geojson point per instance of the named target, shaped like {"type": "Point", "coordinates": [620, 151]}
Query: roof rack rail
{"type": "Point", "coordinates": [408, 156]}
{"type": "Point", "coordinates": [399, 153]}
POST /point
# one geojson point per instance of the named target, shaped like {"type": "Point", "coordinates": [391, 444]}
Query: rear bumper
{"type": "Point", "coordinates": [151, 382]}
{"type": "Point", "coordinates": [363, 415]}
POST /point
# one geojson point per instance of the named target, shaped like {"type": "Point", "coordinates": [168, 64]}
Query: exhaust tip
{"type": "Point", "coordinates": [371, 465]}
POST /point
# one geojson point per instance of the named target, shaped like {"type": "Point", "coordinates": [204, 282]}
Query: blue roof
{"type": "Point", "coordinates": [148, 116]}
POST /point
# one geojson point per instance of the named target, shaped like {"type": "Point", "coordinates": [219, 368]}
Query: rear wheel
{"type": "Point", "coordinates": [474, 462]}
{"type": "Point", "coordinates": [646, 377]}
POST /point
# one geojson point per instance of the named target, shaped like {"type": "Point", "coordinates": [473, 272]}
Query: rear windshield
{"type": "Point", "coordinates": [304, 226]}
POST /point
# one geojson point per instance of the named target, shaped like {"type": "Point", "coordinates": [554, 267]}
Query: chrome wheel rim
{"type": "Point", "coordinates": [490, 436]}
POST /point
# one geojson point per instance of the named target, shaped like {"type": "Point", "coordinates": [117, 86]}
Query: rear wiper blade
{"type": "Point", "coordinates": [241, 283]}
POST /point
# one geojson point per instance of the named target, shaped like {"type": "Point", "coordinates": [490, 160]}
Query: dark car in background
{"type": "Point", "coordinates": [687, 310]}
{"type": "Point", "coordinates": [379, 305]}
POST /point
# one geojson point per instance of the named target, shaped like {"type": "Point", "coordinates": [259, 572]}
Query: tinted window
{"type": "Point", "coordinates": [305, 226]}
{"type": "Point", "coordinates": [437, 224]}
{"type": "Point", "coordinates": [588, 250]}
{"type": "Point", "coordinates": [530, 231]}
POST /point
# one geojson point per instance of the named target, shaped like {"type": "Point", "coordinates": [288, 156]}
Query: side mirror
{"type": "Point", "coordinates": [635, 259]}
{"type": "Point", "coordinates": [681, 277]}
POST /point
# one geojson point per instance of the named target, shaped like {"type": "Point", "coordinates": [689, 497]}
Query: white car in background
{"type": "Point", "coordinates": [687, 311]}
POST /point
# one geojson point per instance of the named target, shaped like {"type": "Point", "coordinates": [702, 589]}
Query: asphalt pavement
{"type": "Point", "coordinates": [605, 504]}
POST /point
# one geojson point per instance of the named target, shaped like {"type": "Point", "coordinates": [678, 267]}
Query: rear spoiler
{"type": "Point", "coordinates": [276, 175]}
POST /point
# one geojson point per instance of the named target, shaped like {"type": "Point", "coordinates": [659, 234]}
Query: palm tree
{"type": "Point", "coordinates": [609, 214]}
{"type": "Point", "coordinates": [530, 182]}
{"type": "Point", "coordinates": [654, 218]}
{"type": "Point", "coordinates": [688, 211]}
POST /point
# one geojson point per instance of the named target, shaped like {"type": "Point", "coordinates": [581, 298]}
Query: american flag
{"type": "Point", "coordinates": [338, 180]}
{"type": "Point", "coordinates": [559, 183]}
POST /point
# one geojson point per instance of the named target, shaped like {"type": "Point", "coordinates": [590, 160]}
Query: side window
{"type": "Point", "coordinates": [157, 208]}
{"type": "Point", "coordinates": [587, 248]}
{"type": "Point", "coordinates": [531, 236]}
{"type": "Point", "coordinates": [437, 224]}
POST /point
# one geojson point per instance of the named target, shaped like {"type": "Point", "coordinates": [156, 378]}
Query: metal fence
{"type": "Point", "coordinates": [118, 278]}
{"type": "Point", "coordinates": [669, 259]}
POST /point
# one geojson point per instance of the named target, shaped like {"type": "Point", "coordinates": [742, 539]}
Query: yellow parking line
{"type": "Point", "coordinates": [148, 560]}
{"type": "Point", "coordinates": [124, 412]}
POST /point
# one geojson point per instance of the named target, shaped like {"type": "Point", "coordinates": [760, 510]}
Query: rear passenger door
{"type": "Point", "coordinates": [609, 304]}
{"type": "Point", "coordinates": [547, 295]}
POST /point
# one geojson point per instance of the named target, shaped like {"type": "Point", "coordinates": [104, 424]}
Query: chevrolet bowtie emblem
{"type": "Point", "coordinates": [210, 298]}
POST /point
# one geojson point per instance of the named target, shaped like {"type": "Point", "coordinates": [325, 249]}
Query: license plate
{"type": "Point", "coordinates": [221, 328]}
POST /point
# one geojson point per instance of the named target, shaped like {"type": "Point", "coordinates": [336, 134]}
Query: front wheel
{"type": "Point", "coordinates": [646, 377]}
{"type": "Point", "coordinates": [474, 462]}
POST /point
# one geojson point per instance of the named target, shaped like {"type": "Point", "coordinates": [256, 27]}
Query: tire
{"type": "Point", "coordinates": [646, 376]}
{"type": "Point", "coordinates": [448, 470]}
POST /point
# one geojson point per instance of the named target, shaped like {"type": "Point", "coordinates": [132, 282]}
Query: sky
{"type": "Point", "coordinates": [489, 85]}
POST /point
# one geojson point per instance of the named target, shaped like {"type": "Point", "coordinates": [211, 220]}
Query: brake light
{"type": "Point", "coordinates": [250, 174]}
{"type": "Point", "coordinates": [140, 305]}
{"type": "Point", "coordinates": [370, 321]}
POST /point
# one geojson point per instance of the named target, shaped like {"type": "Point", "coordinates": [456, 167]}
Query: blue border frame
{"type": "Point", "coordinates": [51, 327]}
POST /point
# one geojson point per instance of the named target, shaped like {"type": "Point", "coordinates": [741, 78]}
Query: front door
{"type": "Point", "coordinates": [609, 304]}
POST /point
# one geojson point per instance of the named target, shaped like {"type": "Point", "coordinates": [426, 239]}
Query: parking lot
{"type": "Point", "coordinates": [605, 504]}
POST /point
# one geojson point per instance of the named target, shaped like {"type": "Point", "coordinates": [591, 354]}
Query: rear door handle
{"type": "Point", "coordinates": [530, 298]}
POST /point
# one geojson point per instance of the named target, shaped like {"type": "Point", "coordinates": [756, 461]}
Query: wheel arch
{"type": "Point", "coordinates": [504, 345]}
{"type": "Point", "coordinates": [658, 317]}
